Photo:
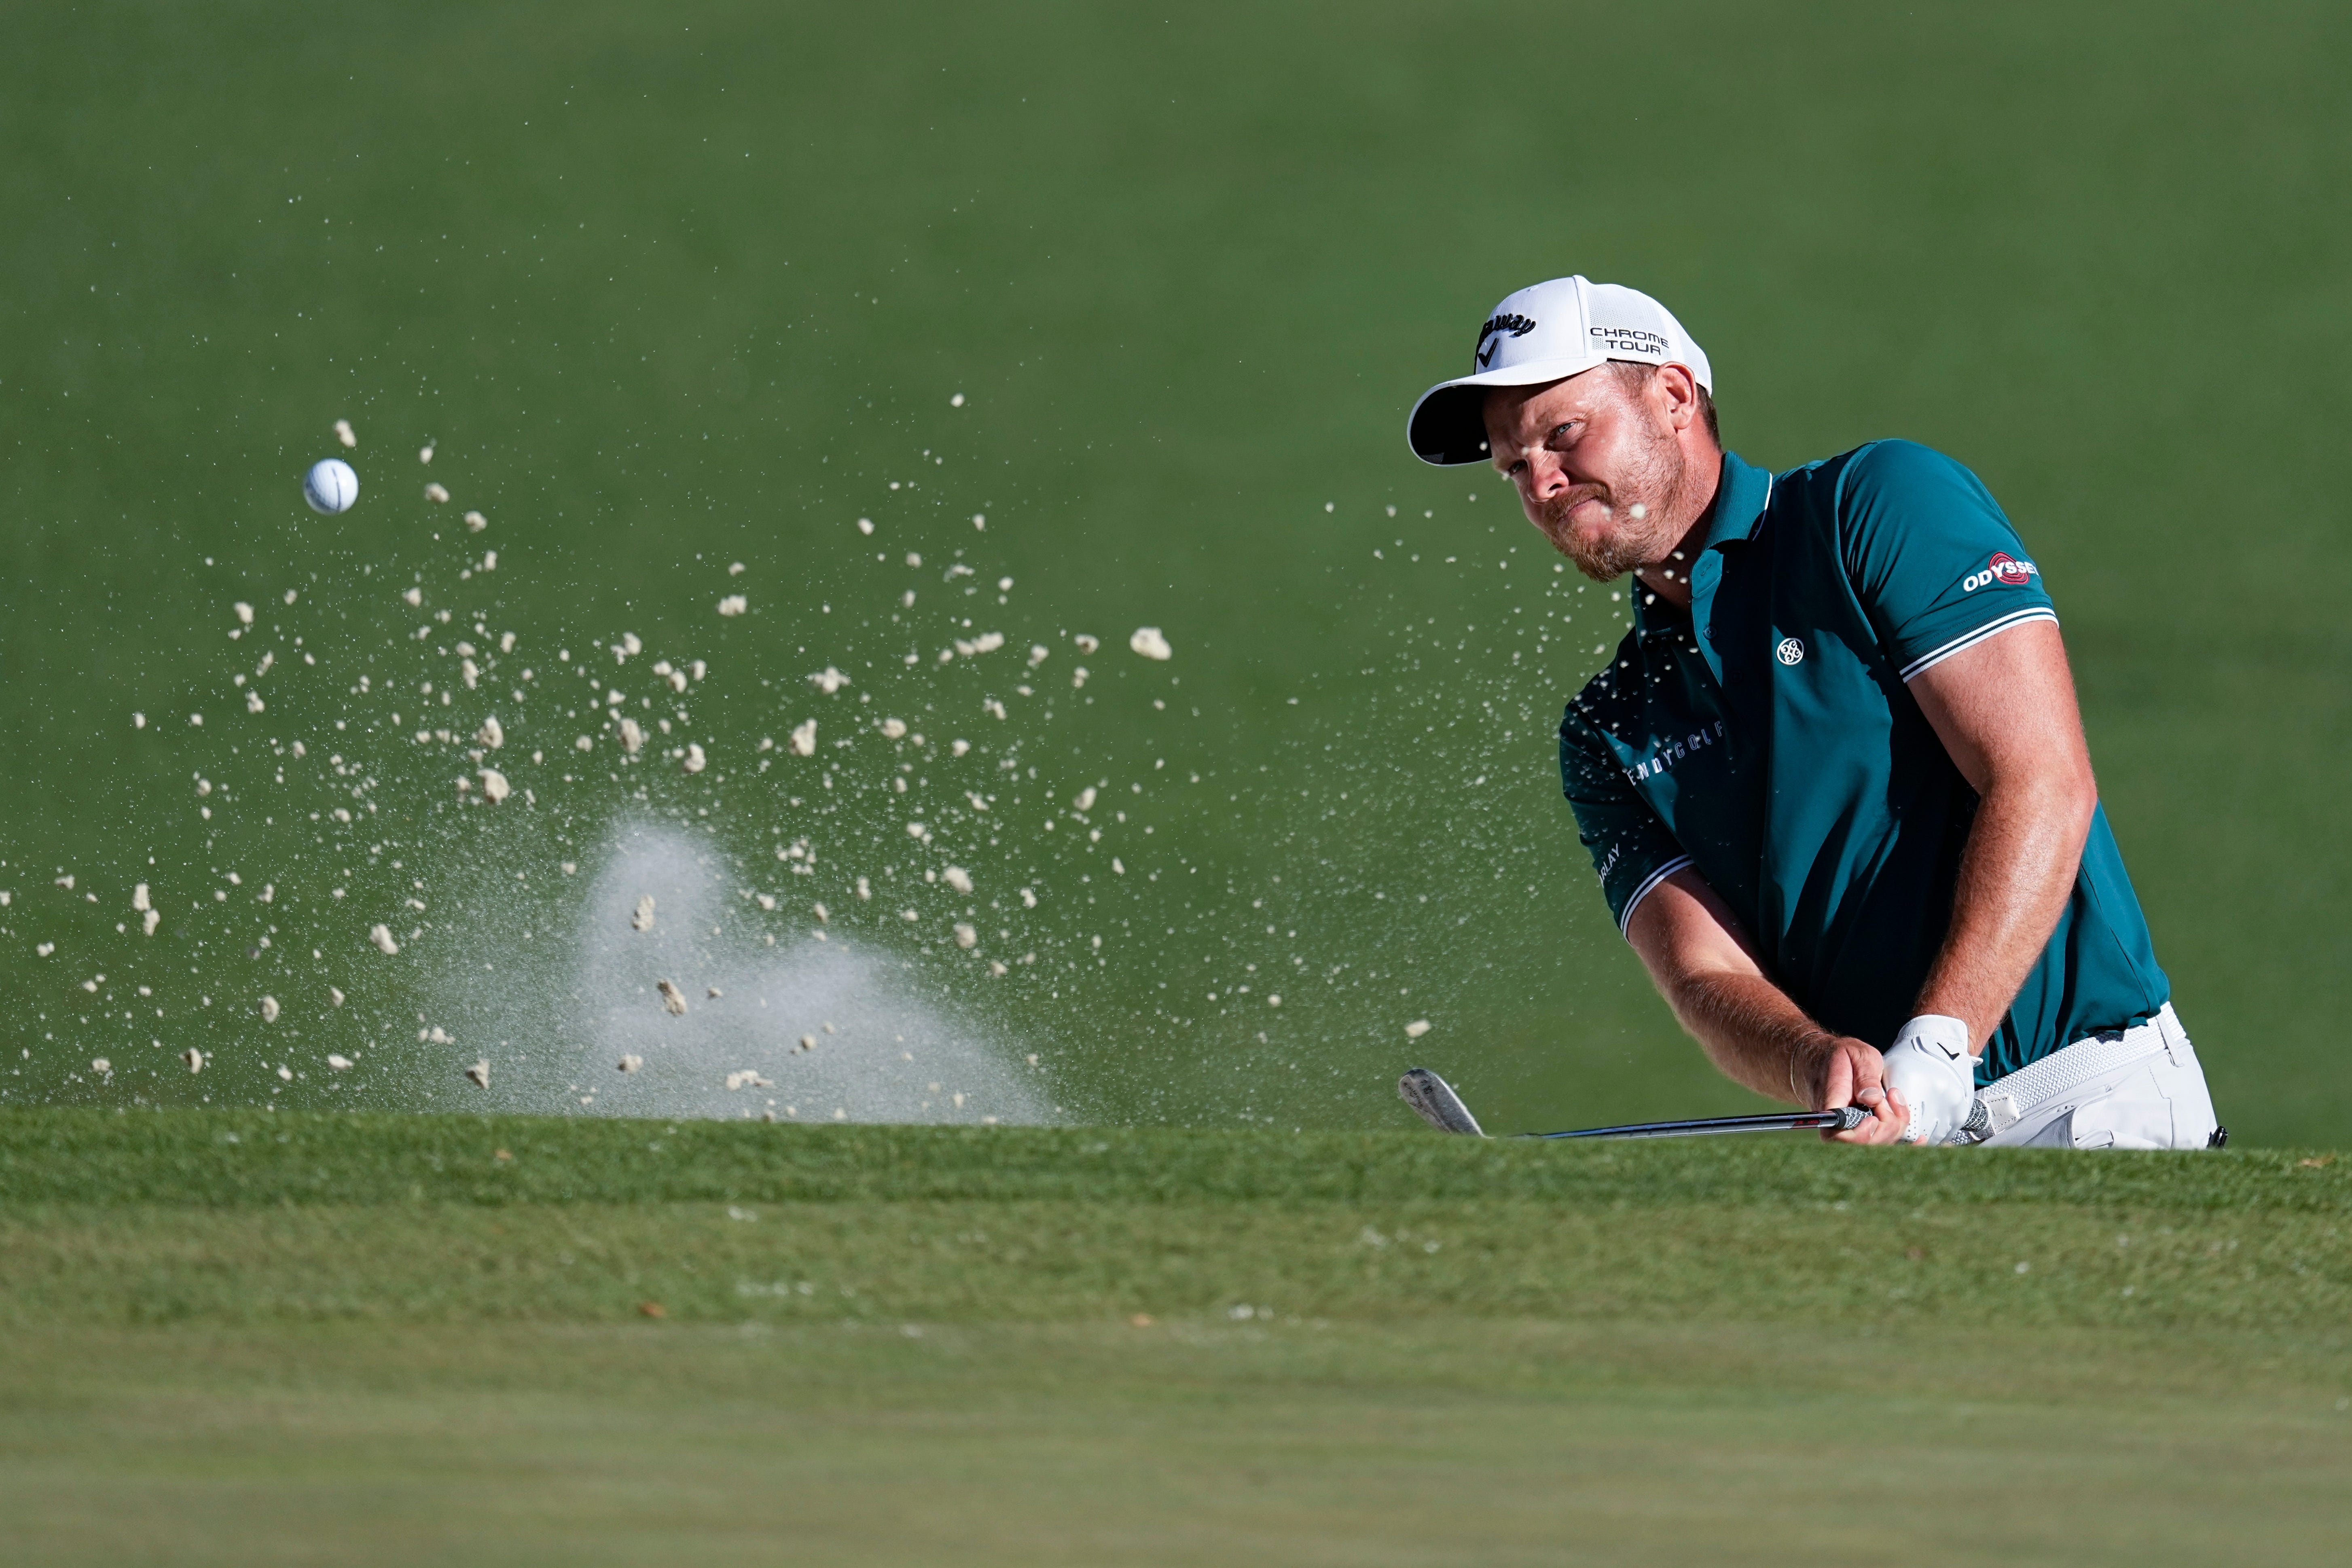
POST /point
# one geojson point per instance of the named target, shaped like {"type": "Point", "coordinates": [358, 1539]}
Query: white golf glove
{"type": "Point", "coordinates": [1929, 1064]}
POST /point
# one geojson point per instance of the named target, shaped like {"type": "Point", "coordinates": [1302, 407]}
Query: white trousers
{"type": "Point", "coordinates": [2142, 1088]}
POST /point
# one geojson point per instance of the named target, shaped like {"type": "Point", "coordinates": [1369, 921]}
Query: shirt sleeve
{"type": "Point", "coordinates": [1936, 565]}
{"type": "Point", "coordinates": [1630, 847]}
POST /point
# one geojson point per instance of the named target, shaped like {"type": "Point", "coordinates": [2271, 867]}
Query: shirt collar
{"type": "Point", "coordinates": [1741, 495]}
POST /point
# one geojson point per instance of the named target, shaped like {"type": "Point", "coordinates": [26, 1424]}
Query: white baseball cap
{"type": "Point", "coordinates": [1548, 332]}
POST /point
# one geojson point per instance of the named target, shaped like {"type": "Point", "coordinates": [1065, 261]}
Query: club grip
{"type": "Point", "coordinates": [1978, 1126]}
{"type": "Point", "coordinates": [1975, 1129]}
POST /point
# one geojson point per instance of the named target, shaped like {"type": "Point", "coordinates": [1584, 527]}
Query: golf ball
{"type": "Point", "coordinates": [330, 486]}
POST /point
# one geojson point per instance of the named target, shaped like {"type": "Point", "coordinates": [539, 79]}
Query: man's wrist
{"type": "Point", "coordinates": [1807, 1052]}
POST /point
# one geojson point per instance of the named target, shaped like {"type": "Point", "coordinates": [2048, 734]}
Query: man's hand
{"type": "Point", "coordinates": [1841, 1070]}
{"type": "Point", "coordinates": [1929, 1066]}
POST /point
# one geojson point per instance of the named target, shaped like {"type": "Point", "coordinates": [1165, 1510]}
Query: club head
{"type": "Point", "coordinates": [1434, 1101]}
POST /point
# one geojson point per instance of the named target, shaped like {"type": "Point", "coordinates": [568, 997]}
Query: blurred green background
{"type": "Point", "coordinates": [677, 287]}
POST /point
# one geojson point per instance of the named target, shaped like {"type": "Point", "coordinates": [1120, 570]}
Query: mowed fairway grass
{"type": "Point", "coordinates": [243, 1338]}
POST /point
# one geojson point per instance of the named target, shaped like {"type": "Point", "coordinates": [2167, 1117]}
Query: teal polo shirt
{"type": "Point", "coordinates": [1766, 739]}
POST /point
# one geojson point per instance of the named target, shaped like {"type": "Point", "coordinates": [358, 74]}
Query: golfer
{"type": "Point", "coordinates": [1833, 779]}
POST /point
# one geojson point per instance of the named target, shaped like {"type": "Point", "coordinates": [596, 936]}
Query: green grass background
{"type": "Point", "coordinates": [694, 280]}
{"type": "Point", "coordinates": [238, 1337]}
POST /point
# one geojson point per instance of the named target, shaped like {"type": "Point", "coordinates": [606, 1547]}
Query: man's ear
{"type": "Point", "coordinates": [1679, 392]}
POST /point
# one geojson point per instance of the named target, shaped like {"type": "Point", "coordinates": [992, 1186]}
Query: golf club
{"type": "Point", "coordinates": [1434, 1099]}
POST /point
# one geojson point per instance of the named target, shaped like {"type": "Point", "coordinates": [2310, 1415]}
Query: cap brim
{"type": "Point", "coordinates": [1448, 426]}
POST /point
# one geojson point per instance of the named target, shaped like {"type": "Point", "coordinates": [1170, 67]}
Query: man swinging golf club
{"type": "Point", "coordinates": [1833, 779]}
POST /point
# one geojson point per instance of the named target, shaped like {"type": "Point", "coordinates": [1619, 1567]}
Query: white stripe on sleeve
{"type": "Point", "coordinates": [1935, 657]}
{"type": "Point", "coordinates": [1649, 884]}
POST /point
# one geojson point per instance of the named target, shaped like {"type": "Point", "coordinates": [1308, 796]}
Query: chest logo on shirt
{"type": "Point", "coordinates": [1791, 651]}
{"type": "Point", "coordinates": [2004, 569]}
{"type": "Point", "coordinates": [1667, 749]}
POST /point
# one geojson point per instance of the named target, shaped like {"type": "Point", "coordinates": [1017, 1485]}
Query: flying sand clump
{"type": "Point", "coordinates": [961, 814]}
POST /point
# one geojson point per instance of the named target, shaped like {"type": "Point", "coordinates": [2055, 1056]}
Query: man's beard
{"type": "Point", "coordinates": [1643, 506]}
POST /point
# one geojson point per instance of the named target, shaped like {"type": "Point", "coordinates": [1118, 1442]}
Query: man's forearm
{"type": "Point", "coordinates": [2016, 874]}
{"type": "Point", "coordinates": [1710, 973]}
{"type": "Point", "coordinates": [1752, 1032]}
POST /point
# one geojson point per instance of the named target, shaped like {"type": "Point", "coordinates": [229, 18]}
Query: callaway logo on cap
{"type": "Point", "coordinates": [1549, 332]}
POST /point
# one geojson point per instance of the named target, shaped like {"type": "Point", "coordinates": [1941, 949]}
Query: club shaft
{"type": "Point", "coordinates": [1841, 1119]}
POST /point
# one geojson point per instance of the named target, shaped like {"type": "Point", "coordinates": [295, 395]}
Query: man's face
{"type": "Point", "coordinates": [1597, 464]}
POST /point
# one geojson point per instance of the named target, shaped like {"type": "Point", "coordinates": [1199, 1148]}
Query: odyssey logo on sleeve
{"type": "Point", "coordinates": [2003, 570]}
